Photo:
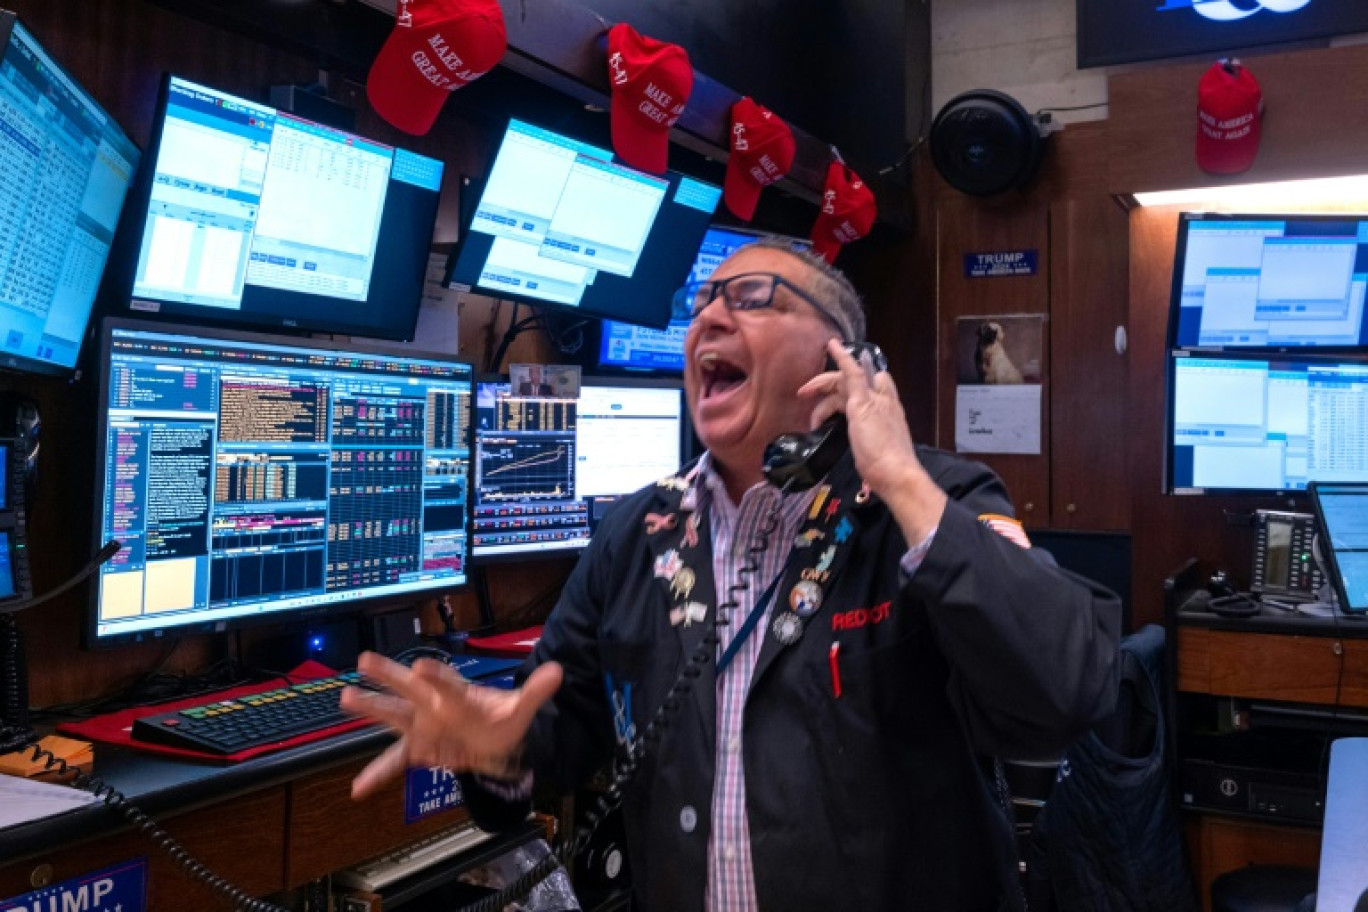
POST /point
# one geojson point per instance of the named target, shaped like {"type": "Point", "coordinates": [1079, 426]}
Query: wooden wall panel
{"type": "Point", "coordinates": [1308, 130]}
{"type": "Point", "coordinates": [980, 226]}
{"type": "Point", "coordinates": [1227, 845]}
{"type": "Point", "coordinates": [1089, 259]}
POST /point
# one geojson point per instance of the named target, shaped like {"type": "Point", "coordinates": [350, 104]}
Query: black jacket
{"type": "Point", "coordinates": [883, 797]}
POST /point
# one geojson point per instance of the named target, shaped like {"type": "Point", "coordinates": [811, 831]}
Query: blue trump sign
{"type": "Point", "coordinates": [122, 888]}
{"type": "Point", "coordinates": [428, 790]}
{"type": "Point", "coordinates": [1002, 263]}
{"type": "Point", "coordinates": [1121, 31]}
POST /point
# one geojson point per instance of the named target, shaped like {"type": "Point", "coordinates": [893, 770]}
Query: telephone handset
{"type": "Point", "coordinates": [798, 461]}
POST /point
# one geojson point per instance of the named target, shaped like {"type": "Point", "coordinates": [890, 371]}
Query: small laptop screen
{"type": "Point", "coordinates": [1342, 510]}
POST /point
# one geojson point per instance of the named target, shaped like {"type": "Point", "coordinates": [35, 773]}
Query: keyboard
{"type": "Point", "coordinates": [378, 873]}
{"type": "Point", "coordinates": [253, 720]}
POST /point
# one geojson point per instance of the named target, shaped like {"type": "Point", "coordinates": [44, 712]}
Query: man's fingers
{"type": "Point", "coordinates": [392, 762]}
{"type": "Point", "coordinates": [385, 672]}
{"type": "Point", "coordinates": [821, 385]}
{"type": "Point", "coordinates": [395, 712]}
{"type": "Point", "coordinates": [539, 687]}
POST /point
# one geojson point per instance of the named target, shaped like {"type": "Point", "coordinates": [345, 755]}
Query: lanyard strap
{"type": "Point", "coordinates": [752, 620]}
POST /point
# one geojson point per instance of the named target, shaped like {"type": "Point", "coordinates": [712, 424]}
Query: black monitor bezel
{"type": "Point", "coordinates": [24, 364]}
{"type": "Point", "coordinates": [1170, 382]}
{"type": "Point", "coordinates": [134, 226]}
{"type": "Point", "coordinates": [686, 454]}
{"type": "Point", "coordinates": [472, 189]}
{"type": "Point", "coordinates": [91, 640]}
{"type": "Point", "coordinates": [1326, 549]}
{"type": "Point", "coordinates": [1185, 221]}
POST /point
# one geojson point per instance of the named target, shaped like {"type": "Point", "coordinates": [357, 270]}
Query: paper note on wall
{"type": "Point", "coordinates": [998, 419]}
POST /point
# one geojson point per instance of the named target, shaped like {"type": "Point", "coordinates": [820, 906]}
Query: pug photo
{"type": "Point", "coordinates": [999, 350]}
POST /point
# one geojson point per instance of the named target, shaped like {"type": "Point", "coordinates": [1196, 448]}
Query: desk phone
{"type": "Point", "coordinates": [1283, 566]}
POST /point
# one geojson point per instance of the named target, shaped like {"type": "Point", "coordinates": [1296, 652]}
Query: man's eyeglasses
{"type": "Point", "coordinates": [748, 291]}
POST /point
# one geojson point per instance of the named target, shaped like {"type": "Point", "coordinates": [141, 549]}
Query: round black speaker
{"type": "Point", "coordinates": [983, 143]}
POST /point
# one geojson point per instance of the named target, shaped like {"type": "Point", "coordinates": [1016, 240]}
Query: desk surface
{"type": "Point", "coordinates": [157, 783]}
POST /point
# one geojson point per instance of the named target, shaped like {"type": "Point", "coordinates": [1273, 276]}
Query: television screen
{"type": "Point", "coordinates": [625, 346]}
{"type": "Point", "coordinates": [1270, 281]}
{"type": "Point", "coordinates": [251, 216]}
{"type": "Point", "coordinates": [1248, 423]}
{"type": "Point", "coordinates": [559, 222]}
{"type": "Point", "coordinates": [547, 470]}
{"type": "Point", "coordinates": [256, 477]}
{"type": "Point", "coordinates": [67, 169]}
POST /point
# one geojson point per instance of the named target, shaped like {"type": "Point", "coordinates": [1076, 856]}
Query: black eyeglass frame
{"type": "Point", "coordinates": [687, 296]}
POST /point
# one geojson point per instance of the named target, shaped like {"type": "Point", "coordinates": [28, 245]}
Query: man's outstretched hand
{"type": "Point", "coordinates": [442, 719]}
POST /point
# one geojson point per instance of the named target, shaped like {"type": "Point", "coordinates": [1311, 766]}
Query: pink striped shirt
{"type": "Point", "coordinates": [731, 877]}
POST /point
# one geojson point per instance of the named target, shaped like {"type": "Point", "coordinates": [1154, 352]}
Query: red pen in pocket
{"type": "Point", "coordinates": [835, 671]}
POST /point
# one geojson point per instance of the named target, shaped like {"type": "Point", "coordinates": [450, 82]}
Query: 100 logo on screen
{"type": "Point", "coordinates": [1232, 10]}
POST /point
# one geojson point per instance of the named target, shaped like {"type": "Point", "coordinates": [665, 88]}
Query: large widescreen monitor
{"type": "Point", "coordinates": [560, 222]}
{"type": "Point", "coordinates": [256, 477]}
{"type": "Point", "coordinates": [248, 215]}
{"type": "Point", "coordinates": [1270, 281]}
{"type": "Point", "coordinates": [67, 168]}
{"type": "Point", "coordinates": [547, 470]}
{"type": "Point", "coordinates": [626, 346]}
{"type": "Point", "coordinates": [1250, 423]}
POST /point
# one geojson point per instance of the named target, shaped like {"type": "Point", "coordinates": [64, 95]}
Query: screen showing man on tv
{"type": "Point", "coordinates": [1265, 424]}
{"type": "Point", "coordinates": [250, 477]}
{"type": "Point", "coordinates": [67, 168]}
{"type": "Point", "coordinates": [626, 346]}
{"type": "Point", "coordinates": [256, 217]}
{"type": "Point", "coordinates": [560, 222]}
{"type": "Point", "coordinates": [1270, 281]}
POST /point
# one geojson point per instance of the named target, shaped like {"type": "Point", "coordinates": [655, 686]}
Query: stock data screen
{"type": "Point", "coordinates": [546, 471]}
{"type": "Point", "coordinates": [247, 478]}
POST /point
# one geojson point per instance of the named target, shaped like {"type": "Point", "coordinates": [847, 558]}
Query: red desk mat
{"type": "Point", "coordinates": [117, 727]}
{"type": "Point", "coordinates": [512, 645]}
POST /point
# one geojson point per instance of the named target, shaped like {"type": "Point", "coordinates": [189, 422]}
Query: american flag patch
{"type": "Point", "coordinates": [1007, 527]}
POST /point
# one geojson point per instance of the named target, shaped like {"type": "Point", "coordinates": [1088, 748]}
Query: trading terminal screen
{"type": "Point", "coordinates": [1270, 282]}
{"type": "Point", "coordinates": [546, 470]}
{"type": "Point", "coordinates": [1263, 424]}
{"type": "Point", "coordinates": [1343, 513]}
{"type": "Point", "coordinates": [66, 169]}
{"type": "Point", "coordinates": [248, 479]}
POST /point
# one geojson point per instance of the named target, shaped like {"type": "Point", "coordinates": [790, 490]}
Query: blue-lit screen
{"type": "Point", "coordinates": [6, 567]}
{"type": "Point", "coordinates": [1343, 512]}
{"type": "Point", "coordinates": [630, 347]}
{"type": "Point", "coordinates": [66, 167]}
{"type": "Point", "coordinates": [248, 477]}
{"type": "Point", "coordinates": [1245, 422]}
{"type": "Point", "coordinates": [1270, 282]}
{"type": "Point", "coordinates": [560, 222]}
{"type": "Point", "coordinates": [256, 217]}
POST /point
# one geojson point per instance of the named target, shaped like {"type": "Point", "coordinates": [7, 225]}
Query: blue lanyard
{"type": "Point", "coordinates": [752, 620]}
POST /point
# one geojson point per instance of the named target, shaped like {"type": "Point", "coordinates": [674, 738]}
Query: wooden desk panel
{"type": "Point", "coordinates": [242, 840]}
{"type": "Point", "coordinates": [1296, 669]}
{"type": "Point", "coordinates": [1218, 844]}
{"type": "Point", "coordinates": [329, 831]}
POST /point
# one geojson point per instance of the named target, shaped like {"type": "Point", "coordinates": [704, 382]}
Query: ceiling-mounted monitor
{"type": "Point", "coordinates": [250, 216]}
{"type": "Point", "coordinates": [560, 221]}
{"type": "Point", "coordinates": [66, 171]}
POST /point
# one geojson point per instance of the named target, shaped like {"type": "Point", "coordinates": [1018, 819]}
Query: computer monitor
{"type": "Point", "coordinates": [255, 478]}
{"type": "Point", "coordinates": [626, 346]}
{"type": "Point", "coordinates": [1264, 424]}
{"type": "Point", "coordinates": [559, 222]}
{"type": "Point", "coordinates": [1269, 281]}
{"type": "Point", "coordinates": [1342, 516]}
{"type": "Point", "coordinates": [547, 470]}
{"type": "Point", "coordinates": [250, 216]}
{"type": "Point", "coordinates": [67, 168]}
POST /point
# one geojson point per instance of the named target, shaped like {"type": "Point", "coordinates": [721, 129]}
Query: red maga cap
{"type": "Point", "coordinates": [651, 81]}
{"type": "Point", "coordinates": [1229, 118]}
{"type": "Point", "coordinates": [450, 43]}
{"type": "Point", "coordinates": [848, 211]}
{"type": "Point", "coordinates": [762, 150]}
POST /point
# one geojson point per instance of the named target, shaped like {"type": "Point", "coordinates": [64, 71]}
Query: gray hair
{"type": "Point", "coordinates": [827, 284]}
